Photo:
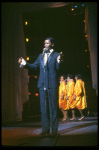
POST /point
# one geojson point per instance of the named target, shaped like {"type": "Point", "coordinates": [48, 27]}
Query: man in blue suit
{"type": "Point", "coordinates": [48, 62]}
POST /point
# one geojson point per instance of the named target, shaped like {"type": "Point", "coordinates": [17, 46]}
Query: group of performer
{"type": "Point", "coordinates": [72, 95]}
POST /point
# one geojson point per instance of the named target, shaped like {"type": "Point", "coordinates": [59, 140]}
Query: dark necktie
{"type": "Point", "coordinates": [48, 51]}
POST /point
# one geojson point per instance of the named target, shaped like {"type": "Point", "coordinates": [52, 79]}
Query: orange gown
{"type": "Point", "coordinates": [70, 93]}
{"type": "Point", "coordinates": [62, 90]}
{"type": "Point", "coordinates": [79, 90]}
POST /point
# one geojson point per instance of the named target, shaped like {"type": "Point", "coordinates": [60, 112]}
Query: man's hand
{"type": "Point", "coordinates": [22, 62]}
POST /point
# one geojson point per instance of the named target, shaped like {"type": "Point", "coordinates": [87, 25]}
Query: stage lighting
{"type": "Point", "coordinates": [27, 40]}
{"type": "Point", "coordinates": [82, 4]}
{"type": "Point", "coordinates": [27, 58]}
{"type": "Point", "coordinates": [75, 6]}
{"type": "Point", "coordinates": [86, 35]}
{"type": "Point", "coordinates": [85, 50]}
{"type": "Point", "coordinates": [29, 93]}
{"type": "Point", "coordinates": [72, 9]}
{"type": "Point", "coordinates": [36, 94]}
{"type": "Point", "coordinates": [26, 23]}
{"type": "Point", "coordinates": [35, 77]}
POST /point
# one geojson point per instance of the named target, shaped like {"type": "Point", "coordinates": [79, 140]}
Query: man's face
{"type": "Point", "coordinates": [47, 44]}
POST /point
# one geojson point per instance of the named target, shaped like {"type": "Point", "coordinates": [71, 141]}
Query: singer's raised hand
{"type": "Point", "coordinates": [60, 55]}
{"type": "Point", "coordinates": [20, 60]}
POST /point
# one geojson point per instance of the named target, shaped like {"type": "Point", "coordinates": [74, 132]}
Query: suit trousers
{"type": "Point", "coordinates": [49, 105]}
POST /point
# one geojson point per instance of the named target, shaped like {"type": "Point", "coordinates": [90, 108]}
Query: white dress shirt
{"type": "Point", "coordinates": [47, 55]}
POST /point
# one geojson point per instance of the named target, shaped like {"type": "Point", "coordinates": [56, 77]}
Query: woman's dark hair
{"type": "Point", "coordinates": [70, 76]}
{"type": "Point", "coordinates": [78, 76]}
{"type": "Point", "coordinates": [52, 40]}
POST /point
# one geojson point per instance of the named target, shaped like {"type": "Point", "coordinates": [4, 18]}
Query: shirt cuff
{"type": "Point", "coordinates": [23, 62]}
{"type": "Point", "coordinates": [58, 60]}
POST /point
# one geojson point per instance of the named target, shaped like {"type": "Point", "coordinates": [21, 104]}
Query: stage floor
{"type": "Point", "coordinates": [71, 133]}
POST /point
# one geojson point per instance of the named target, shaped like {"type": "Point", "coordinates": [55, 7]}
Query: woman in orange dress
{"type": "Point", "coordinates": [62, 98]}
{"type": "Point", "coordinates": [80, 95]}
{"type": "Point", "coordinates": [70, 94]}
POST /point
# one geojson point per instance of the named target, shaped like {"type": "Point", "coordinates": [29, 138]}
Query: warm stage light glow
{"type": "Point", "coordinates": [26, 22]}
{"type": "Point", "coordinates": [27, 58]}
{"type": "Point", "coordinates": [27, 39]}
{"type": "Point", "coordinates": [29, 93]}
{"type": "Point", "coordinates": [72, 9]}
{"type": "Point", "coordinates": [84, 20]}
{"type": "Point", "coordinates": [35, 77]}
{"type": "Point", "coordinates": [85, 50]}
{"type": "Point", "coordinates": [36, 94]}
{"type": "Point", "coordinates": [86, 35]}
{"type": "Point", "coordinates": [28, 77]}
{"type": "Point", "coordinates": [87, 66]}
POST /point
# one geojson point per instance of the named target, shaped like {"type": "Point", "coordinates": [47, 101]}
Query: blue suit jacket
{"type": "Point", "coordinates": [48, 74]}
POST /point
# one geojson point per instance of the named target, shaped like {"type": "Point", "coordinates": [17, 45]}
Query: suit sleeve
{"type": "Point", "coordinates": [35, 65]}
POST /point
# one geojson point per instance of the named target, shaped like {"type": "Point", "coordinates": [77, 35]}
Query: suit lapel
{"type": "Point", "coordinates": [49, 58]}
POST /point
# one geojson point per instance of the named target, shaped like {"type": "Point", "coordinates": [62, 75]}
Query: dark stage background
{"type": "Point", "coordinates": [69, 33]}
{"type": "Point", "coordinates": [20, 96]}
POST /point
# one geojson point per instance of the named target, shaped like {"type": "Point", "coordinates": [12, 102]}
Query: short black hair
{"type": "Point", "coordinates": [79, 76]}
{"type": "Point", "coordinates": [52, 40]}
{"type": "Point", "coordinates": [70, 76]}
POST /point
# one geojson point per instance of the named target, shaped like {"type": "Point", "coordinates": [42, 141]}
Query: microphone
{"type": "Point", "coordinates": [61, 56]}
{"type": "Point", "coordinates": [45, 51]}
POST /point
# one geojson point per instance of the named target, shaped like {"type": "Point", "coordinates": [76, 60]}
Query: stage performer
{"type": "Point", "coordinates": [49, 63]}
{"type": "Point", "coordinates": [70, 94]}
{"type": "Point", "coordinates": [80, 95]}
{"type": "Point", "coordinates": [62, 98]}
